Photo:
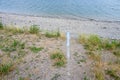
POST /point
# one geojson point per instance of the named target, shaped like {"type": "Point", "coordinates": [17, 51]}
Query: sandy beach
{"type": "Point", "coordinates": [106, 29]}
{"type": "Point", "coordinates": [28, 56]}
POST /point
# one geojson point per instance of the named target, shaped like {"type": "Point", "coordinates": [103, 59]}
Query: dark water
{"type": "Point", "coordinates": [92, 9]}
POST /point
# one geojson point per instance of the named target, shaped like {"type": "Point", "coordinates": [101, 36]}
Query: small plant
{"type": "Point", "coordinates": [35, 49]}
{"type": "Point", "coordinates": [5, 68]}
{"type": "Point", "coordinates": [85, 76]}
{"type": "Point", "coordinates": [117, 61]}
{"type": "Point", "coordinates": [59, 59]}
{"type": "Point", "coordinates": [1, 25]}
{"type": "Point", "coordinates": [113, 74]}
{"type": "Point", "coordinates": [116, 53]}
{"type": "Point", "coordinates": [98, 70]}
{"type": "Point", "coordinates": [8, 49]}
{"type": "Point", "coordinates": [56, 76]}
{"type": "Point", "coordinates": [13, 29]}
{"type": "Point", "coordinates": [22, 45]}
{"type": "Point", "coordinates": [99, 75]}
{"type": "Point", "coordinates": [52, 34]}
{"type": "Point", "coordinates": [34, 29]}
{"type": "Point", "coordinates": [15, 43]}
{"type": "Point", "coordinates": [92, 42]}
{"type": "Point", "coordinates": [12, 45]}
{"type": "Point", "coordinates": [21, 53]}
{"type": "Point", "coordinates": [21, 78]}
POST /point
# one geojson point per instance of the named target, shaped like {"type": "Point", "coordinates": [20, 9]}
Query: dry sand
{"type": "Point", "coordinates": [107, 29]}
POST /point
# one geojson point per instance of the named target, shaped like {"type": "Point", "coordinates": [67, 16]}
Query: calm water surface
{"type": "Point", "coordinates": [92, 9]}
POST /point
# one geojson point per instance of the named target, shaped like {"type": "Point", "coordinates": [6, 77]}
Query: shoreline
{"type": "Point", "coordinates": [68, 18]}
{"type": "Point", "coordinates": [107, 29]}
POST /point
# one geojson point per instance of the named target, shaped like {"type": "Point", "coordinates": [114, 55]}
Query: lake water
{"type": "Point", "coordinates": [78, 9]}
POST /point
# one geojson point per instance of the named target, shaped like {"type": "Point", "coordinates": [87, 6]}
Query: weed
{"type": "Point", "coordinates": [52, 34]}
{"type": "Point", "coordinates": [34, 29]}
{"type": "Point", "coordinates": [35, 49]}
{"type": "Point", "coordinates": [19, 44]}
{"type": "Point", "coordinates": [99, 75]}
{"type": "Point", "coordinates": [15, 43]}
{"type": "Point", "coordinates": [21, 78]}
{"type": "Point", "coordinates": [8, 49]}
{"type": "Point", "coordinates": [59, 59]}
{"type": "Point", "coordinates": [62, 36]}
{"type": "Point", "coordinates": [22, 45]}
{"type": "Point", "coordinates": [94, 55]}
{"type": "Point", "coordinates": [85, 78]}
{"type": "Point", "coordinates": [116, 53]}
{"type": "Point", "coordinates": [12, 46]}
{"type": "Point", "coordinates": [92, 42]}
{"type": "Point", "coordinates": [1, 25]}
{"type": "Point", "coordinates": [98, 70]}
{"type": "Point", "coordinates": [5, 68]}
{"type": "Point", "coordinates": [17, 71]}
{"type": "Point", "coordinates": [56, 76]}
{"type": "Point", "coordinates": [13, 29]}
{"type": "Point", "coordinates": [117, 61]}
{"type": "Point", "coordinates": [113, 74]}
{"type": "Point", "coordinates": [21, 53]}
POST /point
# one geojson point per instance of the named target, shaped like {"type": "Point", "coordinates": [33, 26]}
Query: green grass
{"type": "Point", "coordinates": [52, 34]}
{"type": "Point", "coordinates": [34, 29]}
{"type": "Point", "coordinates": [5, 68]}
{"type": "Point", "coordinates": [94, 42]}
{"type": "Point", "coordinates": [1, 25]}
{"type": "Point", "coordinates": [8, 49]}
{"type": "Point", "coordinates": [19, 44]}
{"type": "Point", "coordinates": [36, 49]}
{"type": "Point", "coordinates": [13, 46]}
{"type": "Point", "coordinates": [111, 44]}
{"type": "Point", "coordinates": [58, 58]}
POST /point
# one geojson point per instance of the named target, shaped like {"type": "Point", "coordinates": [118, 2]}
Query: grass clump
{"type": "Point", "coordinates": [99, 75]}
{"type": "Point", "coordinates": [116, 53]}
{"type": "Point", "coordinates": [52, 34]}
{"type": "Point", "coordinates": [113, 73]}
{"type": "Point", "coordinates": [1, 25]}
{"type": "Point", "coordinates": [98, 70]}
{"type": "Point", "coordinates": [13, 29]}
{"type": "Point", "coordinates": [8, 49]}
{"type": "Point", "coordinates": [95, 47]}
{"type": "Point", "coordinates": [13, 46]}
{"type": "Point", "coordinates": [34, 29]}
{"type": "Point", "coordinates": [19, 44]}
{"type": "Point", "coordinates": [92, 42]}
{"type": "Point", "coordinates": [5, 68]}
{"type": "Point", "coordinates": [111, 44]}
{"type": "Point", "coordinates": [36, 49]}
{"type": "Point", "coordinates": [59, 59]}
